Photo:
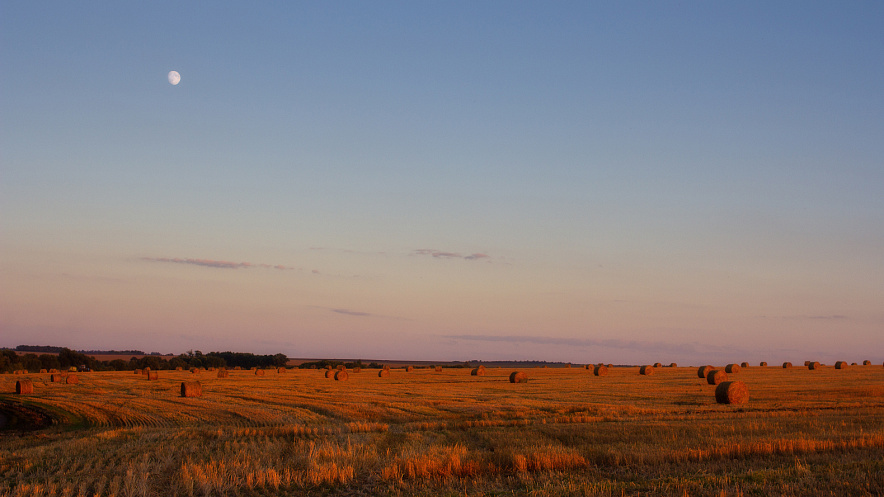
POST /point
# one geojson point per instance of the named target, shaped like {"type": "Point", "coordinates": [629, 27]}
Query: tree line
{"type": "Point", "coordinates": [66, 358]}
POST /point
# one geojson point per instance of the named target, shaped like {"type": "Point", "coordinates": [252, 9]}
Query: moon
{"type": "Point", "coordinates": [174, 78]}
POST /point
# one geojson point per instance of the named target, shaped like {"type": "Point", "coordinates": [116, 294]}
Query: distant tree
{"type": "Point", "coordinates": [280, 360]}
{"type": "Point", "coordinates": [118, 365]}
{"type": "Point", "coordinates": [49, 361]}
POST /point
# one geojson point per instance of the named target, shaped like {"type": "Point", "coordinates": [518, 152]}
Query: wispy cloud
{"type": "Point", "coordinates": [350, 313]}
{"type": "Point", "coordinates": [632, 345]}
{"type": "Point", "coordinates": [440, 254]}
{"type": "Point", "coordinates": [217, 264]}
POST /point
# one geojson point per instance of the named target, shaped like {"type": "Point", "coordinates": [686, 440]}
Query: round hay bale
{"type": "Point", "coordinates": [53, 370]}
{"type": "Point", "coordinates": [814, 366]}
{"type": "Point", "coordinates": [259, 372]}
{"type": "Point", "coordinates": [646, 370]}
{"type": "Point", "coordinates": [386, 366]}
{"type": "Point", "coordinates": [658, 365]}
{"type": "Point", "coordinates": [153, 375]}
{"type": "Point", "coordinates": [24, 387]}
{"type": "Point", "coordinates": [43, 371]}
{"type": "Point", "coordinates": [787, 365]}
{"type": "Point", "coordinates": [853, 364]}
{"type": "Point", "coordinates": [56, 378]}
{"type": "Point", "coordinates": [179, 368]}
{"type": "Point", "coordinates": [384, 373]}
{"type": "Point", "coordinates": [807, 364]}
{"type": "Point", "coordinates": [223, 373]}
{"type": "Point", "coordinates": [280, 370]}
{"type": "Point", "coordinates": [744, 364]}
{"type": "Point", "coordinates": [673, 365]}
{"type": "Point", "coordinates": [867, 363]}
{"type": "Point", "coordinates": [357, 370]}
{"type": "Point", "coordinates": [191, 389]}
{"type": "Point", "coordinates": [237, 368]}
{"type": "Point", "coordinates": [71, 379]}
{"type": "Point", "coordinates": [716, 377]}
{"type": "Point", "coordinates": [840, 365]}
{"type": "Point", "coordinates": [478, 372]}
{"type": "Point", "coordinates": [732, 368]}
{"type": "Point", "coordinates": [587, 366]}
{"type": "Point", "coordinates": [194, 370]}
{"type": "Point", "coordinates": [731, 392]}
{"type": "Point", "coordinates": [600, 370]}
{"type": "Point", "coordinates": [210, 369]}
{"type": "Point", "coordinates": [438, 369]}
{"type": "Point", "coordinates": [329, 373]}
{"type": "Point", "coordinates": [518, 377]}
{"type": "Point", "coordinates": [703, 370]}
{"type": "Point", "coordinates": [137, 371]}
{"type": "Point", "coordinates": [341, 367]}
{"type": "Point", "coordinates": [409, 369]}
{"type": "Point", "coordinates": [341, 375]}
{"type": "Point", "coordinates": [762, 364]}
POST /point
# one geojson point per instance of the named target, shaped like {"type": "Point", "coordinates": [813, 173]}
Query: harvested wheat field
{"type": "Point", "coordinates": [565, 432]}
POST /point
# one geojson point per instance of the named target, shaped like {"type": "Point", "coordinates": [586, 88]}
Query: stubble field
{"type": "Point", "coordinates": [565, 432]}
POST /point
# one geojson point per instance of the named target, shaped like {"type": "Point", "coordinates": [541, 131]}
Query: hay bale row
{"type": "Point", "coordinates": [646, 370]}
{"type": "Point", "coordinates": [732, 392]}
{"type": "Point", "coordinates": [191, 389]}
{"type": "Point", "coordinates": [518, 377]}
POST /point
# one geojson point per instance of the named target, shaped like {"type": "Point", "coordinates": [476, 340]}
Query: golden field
{"type": "Point", "coordinates": [565, 432]}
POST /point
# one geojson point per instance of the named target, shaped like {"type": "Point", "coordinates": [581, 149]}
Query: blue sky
{"type": "Point", "coordinates": [560, 181]}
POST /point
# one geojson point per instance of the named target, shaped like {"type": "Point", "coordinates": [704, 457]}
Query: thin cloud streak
{"type": "Point", "coordinates": [632, 345]}
{"type": "Point", "coordinates": [440, 254]}
{"type": "Point", "coordinates": [348, 312]}
{"type": "Point", "coordinates": [217, 264]}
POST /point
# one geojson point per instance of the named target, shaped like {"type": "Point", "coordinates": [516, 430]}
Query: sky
{"type": "Point", "coordinates": [622, 182]}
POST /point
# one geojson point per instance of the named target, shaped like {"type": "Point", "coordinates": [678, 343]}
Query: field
{"type": "Point", "coordinates": [565, 432]}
